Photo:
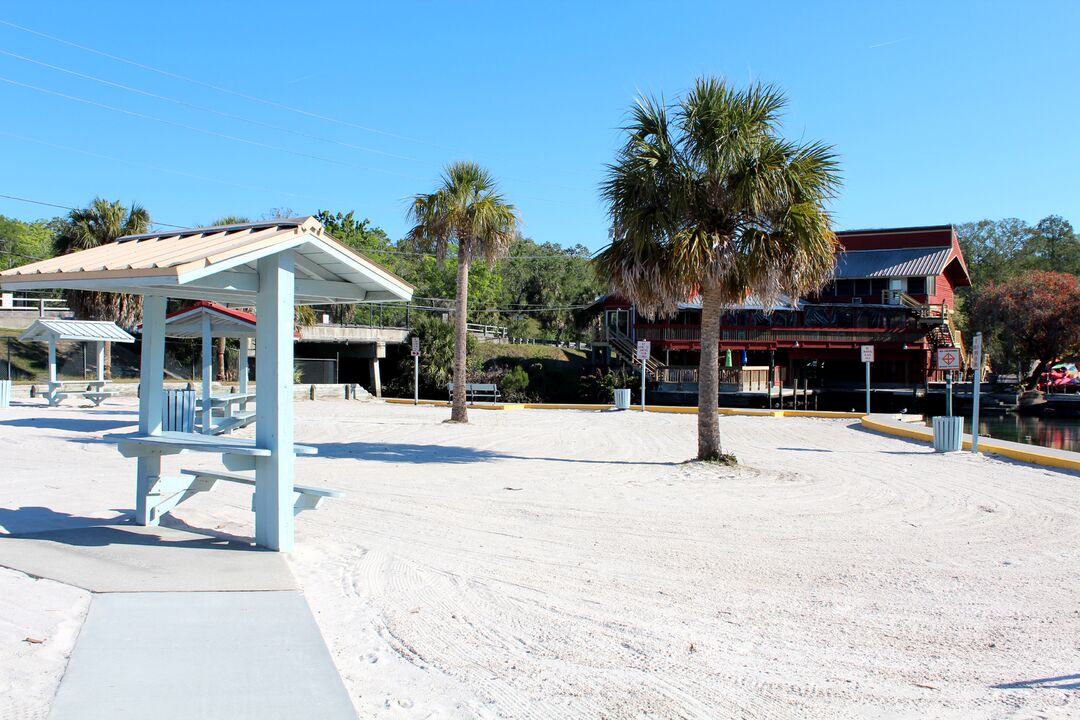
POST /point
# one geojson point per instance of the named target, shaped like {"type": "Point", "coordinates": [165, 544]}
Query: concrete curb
{"type": "Point", "coordinates": [678, 410]}
{"type": "Point", "coordinates": [1033, 454]}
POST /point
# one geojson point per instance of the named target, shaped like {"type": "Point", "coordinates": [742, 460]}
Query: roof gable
{"type": "Point", "coordinates": [219, 264]}
{"type": "Point", "coordinates": [76, 330]}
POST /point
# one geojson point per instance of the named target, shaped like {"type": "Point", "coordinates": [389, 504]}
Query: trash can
{"type": "Point", "coordinates": [622, 399]}
{"type": "Point", "coordinates": [948, 433]}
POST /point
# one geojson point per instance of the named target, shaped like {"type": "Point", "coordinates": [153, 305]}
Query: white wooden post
{"type": "Point", "coordinates": [151, 382]}
{"type": "Point", "coordinates": [242, 370]}
{"type": "Point", "coordinates": [52, 372]}
{"type": "Point", "coordinates": [207, 375]}
{"type": "Point", "coordinates": [100, 362]}
{"type": "Point", "coordinates": [274, 403]}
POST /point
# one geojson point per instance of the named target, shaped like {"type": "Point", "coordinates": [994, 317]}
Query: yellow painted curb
{"type": "Point", "coordinates": [1049, 457]}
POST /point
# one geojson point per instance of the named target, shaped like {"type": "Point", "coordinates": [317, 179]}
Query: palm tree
{"type": "Point", "coordinates": [99, 224]}
{"type": "Point", "coordinates": [707, 199]}
{"type": "Point", "coordinates": [467, 211]}
{"type": "Point", "coordinates": [219, 352]}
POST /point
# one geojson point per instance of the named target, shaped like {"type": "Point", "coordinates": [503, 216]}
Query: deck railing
{"type": "Point", "coordinates": [9, 301]}
{"type": "Point", "coordinates": [757, 335]}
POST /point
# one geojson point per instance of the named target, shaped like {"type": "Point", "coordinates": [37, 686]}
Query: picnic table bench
{"type": "Point", "coordinates": [475, 390]}
{"type": "Point", "coordinates": [232, 409]}
{"type": "Point", "coordinates": [166, 492]}
{"type": "Point", "coordinates": [94, 391]}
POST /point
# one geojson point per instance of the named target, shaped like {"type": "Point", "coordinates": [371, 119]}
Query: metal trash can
{"type": "Point", "coordinates": [622, 399]}
{"type": "Point", "coordinates": [948, 433]}
{"type": "Point", "coordinates": [5, 393]}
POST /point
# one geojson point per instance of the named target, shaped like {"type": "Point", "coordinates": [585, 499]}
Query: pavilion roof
{"type": "Point", "coordinates": [224, 322]}
{"type": "Point", "coordinates": [218, 264]}
{"type": "Point", "coordinates": [76, 330]}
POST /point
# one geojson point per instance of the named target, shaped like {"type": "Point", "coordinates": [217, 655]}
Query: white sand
{"type": "Point", "coordinates": [553, 564]}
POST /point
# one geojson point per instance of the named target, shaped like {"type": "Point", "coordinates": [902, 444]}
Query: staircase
{"type": "Point", "coordinates": [626, 349]}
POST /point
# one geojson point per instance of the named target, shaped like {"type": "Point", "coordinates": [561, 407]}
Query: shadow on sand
{"type": "Point", "coordinates": [445, 454]}
{"type": "Point", "coordinates": [1062, 682]}
{"type": "Point", "coordinates": [31, 521]}
{"type": "Point", "coordinates": [75, 425]}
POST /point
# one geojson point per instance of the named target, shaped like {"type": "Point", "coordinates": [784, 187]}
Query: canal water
{"type": "Point", "coordinates": [1048, 432]}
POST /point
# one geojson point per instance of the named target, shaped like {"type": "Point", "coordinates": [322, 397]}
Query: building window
{"type": "Point", "coordinates": [862, 287]}
{"type": "Point", "coordinates": [878, 286]}
{"type": "Point", "coordinates": [916, 285]}
{"type": "Point", "coordinates": [845, 287]}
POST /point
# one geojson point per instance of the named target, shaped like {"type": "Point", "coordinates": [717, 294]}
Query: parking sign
{"type": "Point", "coordinates": [644, 349]}
{"type": "Point", "coordinates": [867, 353]}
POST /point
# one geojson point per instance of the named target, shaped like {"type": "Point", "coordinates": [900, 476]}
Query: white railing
{"type": "Point", "coordinates": [9, 301]}
{"type": "Point", "coordinates": [487, 331]}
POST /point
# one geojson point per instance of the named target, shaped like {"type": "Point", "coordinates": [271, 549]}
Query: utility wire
{"type": "Point", "coordinates": [218, 88]}
{"type": "Point", "coordinates": [204, 131]}
{"type": "Point", "coordinates": [203, 108]}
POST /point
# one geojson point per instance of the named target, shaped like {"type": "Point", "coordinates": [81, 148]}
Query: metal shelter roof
{"type": "Point", "coordinates": [224, 322]}
{"type": "Point", "coordinates": [219, 264]}
{"type": "Point", "coordinates": [76, 330]}
{"type": "Point", "coordinates": [905, 262]}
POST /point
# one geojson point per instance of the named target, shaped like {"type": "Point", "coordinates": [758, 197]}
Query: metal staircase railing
{"type": "Point", "coordinates": [627, 351]}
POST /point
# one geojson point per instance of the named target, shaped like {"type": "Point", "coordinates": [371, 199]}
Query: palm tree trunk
{"type": "Point", "coordinates": [709, 375]}
{"type": "Point", "coordinates": [220, 360]}
{"type": "Point", "coordinates": [458, 413]}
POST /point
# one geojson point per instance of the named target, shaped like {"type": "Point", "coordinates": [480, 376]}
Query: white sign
{"type": "Point", "coordinates": [867, 353]}
{"type": "Point", "coordinates": [416, 347]}
{"type": "Point", "coordinates": [948, 359]}
{"type": "Point", "coordinates": [976, 352]}
{"type": "Point", "coordinates": [644, 349]}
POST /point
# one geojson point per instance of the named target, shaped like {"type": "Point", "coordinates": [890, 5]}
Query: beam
{"type": "Point", "coordinates": [207, 375]}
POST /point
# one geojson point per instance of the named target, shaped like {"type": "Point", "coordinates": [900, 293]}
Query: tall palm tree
{"type": "Point", "coordinates": [707, 199]}
{"type": "Point", "coordinates": [219, 350]}
{"type": "Point", "coordinates": [99, 224]}
{"type": "Point", "coordinates": [466, 211]}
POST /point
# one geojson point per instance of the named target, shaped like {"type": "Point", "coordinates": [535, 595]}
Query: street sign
{"type": "Point", "coordinates": [644, 349]}
{"type": "Point", "coordinates": [416, 347]}
{"type": "Point", "coordinates": [976, 352]}
{"type": "Point", "coordinates": [948, 359]}
{"type": "Point", "coordinates": [867, 353]}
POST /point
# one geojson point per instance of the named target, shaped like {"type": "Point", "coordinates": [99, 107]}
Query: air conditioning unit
{"type": "Point", "coordinates": [856, 301]}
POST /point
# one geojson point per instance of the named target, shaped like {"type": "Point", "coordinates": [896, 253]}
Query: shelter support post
{"type": "Point", "coordinates": [100, 361]}
{"type": "Point", "coordinates": [151, 380]}
{"type": "Point", "coordinates": [207, 375]}
{"type": "Point", "coordinates": [52, 372]}
{"type": "Point", "coordinates": [242, 370]}
{"type": "Point", "coordinates": [274, 402]}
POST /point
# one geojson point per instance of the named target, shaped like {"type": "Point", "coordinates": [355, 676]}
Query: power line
{"type": "Point", "coordinates": [218, 88]}
{"type": "Point", "coordinates": [68, 207]}
{"type": "Point", "coordinates": [203, 108]}
{"type": "Point", "coordinates": [204, 131]}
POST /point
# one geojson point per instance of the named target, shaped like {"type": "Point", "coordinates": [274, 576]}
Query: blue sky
{"type": "Point", "coordinates": [941, 112]}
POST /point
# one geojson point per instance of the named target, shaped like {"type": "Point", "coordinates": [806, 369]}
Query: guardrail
{"type": "Point", "coordinates": [9, 301]}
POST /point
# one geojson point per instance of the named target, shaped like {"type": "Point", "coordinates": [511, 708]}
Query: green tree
{"type": "Point", "coordinates": [468, 212]}
{"type": "Point", "coordinates": [1054, 246]}
{"type": "Point", "coordinates": [707, 199]}
{"type": "Point", "coordinates": [99, 224]}
{"type": "Point", "coordinates": [436, 355]}
{"type": "Point", "coordinates": [24, 242]}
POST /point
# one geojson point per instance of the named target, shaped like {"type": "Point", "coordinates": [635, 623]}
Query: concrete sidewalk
{"type": "Point", "coordinates": [235, 655]}
{"type": "Point", "coordinates": [183, 625]}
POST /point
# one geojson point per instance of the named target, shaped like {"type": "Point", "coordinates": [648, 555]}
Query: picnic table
{"type": "Point", "coordinates": [163, 492]}
{"type": "Point", "coordinates": [94, 391]}
{"type": "Point", "coordinates": [232, 408]}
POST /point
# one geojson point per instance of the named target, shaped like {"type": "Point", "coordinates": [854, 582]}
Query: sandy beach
{"type": "Point", "coordinates": [569, 564]}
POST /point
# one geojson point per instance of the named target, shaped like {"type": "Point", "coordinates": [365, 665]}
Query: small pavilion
{"type": "Point", "coordinates": [95, 331]}
{"type": "Point", "coordinates": [208, 320]}
{"type": "Point", "coordinates": [272, 266]}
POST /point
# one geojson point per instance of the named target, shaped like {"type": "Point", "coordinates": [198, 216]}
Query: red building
{"type": "Point", "coordinates": [893, 289]}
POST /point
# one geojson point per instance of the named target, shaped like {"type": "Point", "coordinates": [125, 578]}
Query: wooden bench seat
{"type": "Point", "coordinates": [304, 498]}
